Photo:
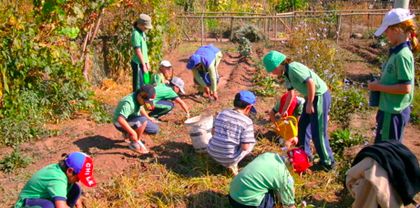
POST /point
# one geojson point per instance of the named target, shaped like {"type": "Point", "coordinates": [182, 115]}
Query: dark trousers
{"type": "Point", "coordinates": [138, 74]}
{"type": "Point", "coordinates": [162, 107]}
{"type": "Point", "coordinates": [72, 197]}
{"type": "Point", "coordinates": [267, 202]}
{"type": "Point", "coordinates": [319, 126]}
{"type": "Point", "coordinates": [391, 126]}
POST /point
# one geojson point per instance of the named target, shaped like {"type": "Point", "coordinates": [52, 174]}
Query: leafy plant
{"type": "Point", "coordinates": [265, 85]}
{"type": "Point", "coordinates": [345, 102]}
{"type": "Point", "coordinates": [244, 47]}
{"type": "Point", "coordinates": [291, 5]}
{"type": "Point", "coordinates": [14, 161]}
{"type": "Point", "coordinates": [250, 32]}
{"type": "Point", "coordinates": [343, 138]}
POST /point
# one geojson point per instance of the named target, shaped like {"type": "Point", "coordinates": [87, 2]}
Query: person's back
{"type": "Point", "coordinates": [259, 180]}
{"type": "Point", "coordinates": [46, 183]}
{"type": "Point", "coordinates": [229, 127]}
{"type": "Point", "coordinates": [233, 132]}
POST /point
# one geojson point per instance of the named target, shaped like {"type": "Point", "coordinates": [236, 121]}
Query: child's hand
{"type": "Point", "coordinates": [310, 108]}
{"type": "Point", "coordinates": [133, 136]}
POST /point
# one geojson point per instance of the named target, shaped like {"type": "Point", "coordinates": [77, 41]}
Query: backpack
{"type": "Point", "coordinates": [299, 160]}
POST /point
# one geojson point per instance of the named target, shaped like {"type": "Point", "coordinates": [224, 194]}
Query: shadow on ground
{"type": "Point", "coordinates": [182, 159]}
{"type": "Point", "coordinates": [86, 145]}
{"type": "Point", "coordinates": [207, 199]}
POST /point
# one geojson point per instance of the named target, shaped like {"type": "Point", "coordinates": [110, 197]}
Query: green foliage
{"type": "Point", "coordinates": [415, 112]}
{"type": "Point", "coordinates": [40, 74]}
{"type": "Point", "coordinates": [244, 47]}
{"type": "Point", "coordinates": [346, 102]}
{"type": "Point", "coordinates": [291, 5]}
{"type": "Point", "coordinates": [250, 32]}
{"type": "Point", "coordinates": [264, 84]}
{"type": "Point", "coordinates": [343, 138]}
{"type": "Point", "coordinates": [14, 161]}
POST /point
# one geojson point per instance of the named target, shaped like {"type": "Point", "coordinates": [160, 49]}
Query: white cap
{"type": "Point", "coordinates": [394, 16]}
{"type": "Point", "coordinates": [165, 63]}
{"type": "Point", "coordinates": [179, 83]}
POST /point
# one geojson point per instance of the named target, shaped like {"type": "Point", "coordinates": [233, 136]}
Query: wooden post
{"type": "Point", "coordinates": [275, 27]}
{"type": "Point", "coordinates": [338, 28]}
{"type": "Point", "coordinates": [368, 21]}
{"type": "Point", "coordinates": [351, 24]}
{"type": "Point", "coordinates": [202, 29]}
{"type": "Point", "coordinates": [231, 28]}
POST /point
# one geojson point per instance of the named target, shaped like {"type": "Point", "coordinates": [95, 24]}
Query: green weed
{"type": "Point", "coordinates": [14, 161]}
{"type": "Point", "coordinates": [345, 102]}
{"type": "Point", "coordinates": [342, 139]}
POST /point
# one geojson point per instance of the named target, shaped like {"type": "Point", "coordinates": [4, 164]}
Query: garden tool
{"type": "Point", "coordinates": [286, 127]}
{"type": "Point", "coordinates": [299, 160]}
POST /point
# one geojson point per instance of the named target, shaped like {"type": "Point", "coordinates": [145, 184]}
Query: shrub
{"type": "Point", "coordinates": [250, 32]}
{"type": "Point", "coordinates": [343, 138]}
{"type": "Point", "coordinates": [345, 102]}
{"type": "Point", "coordinates": [244, 47]}
{"type": "Point", "coordinates": [291, 5]}
{"type": "Point", "coordinates": [14, 161]}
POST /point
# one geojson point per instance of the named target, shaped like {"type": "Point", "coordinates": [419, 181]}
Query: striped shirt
{"type": "Point", "coordinates": [231, 129]}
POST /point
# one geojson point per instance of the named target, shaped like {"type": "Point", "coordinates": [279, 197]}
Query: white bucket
{"type": "Point", "coordinates": [199, 128]}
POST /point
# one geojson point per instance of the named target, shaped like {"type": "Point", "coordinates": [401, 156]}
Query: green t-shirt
{"type": "Point", "coordinates": [266, 172]}
{"type": "Point", "coordinates": [158, 79]}
{"type": "Point", "coordinates": [126, 107]}
{"type": "Point", "coordinates": [296, 76]}
{"type": "Point", "coordinates": [164, 92]}
{"type": "Point", "coordinates": [138, 40]}
{"type": "Point", "coordinates": [47, 183]}
{"type": "Point", "coordinates": [398, 69]}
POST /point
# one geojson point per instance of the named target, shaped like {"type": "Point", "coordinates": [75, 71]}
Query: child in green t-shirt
{"type": "Point", "coordinates": [140, 61]}
{"type": "Point", "coordinates": [260, 181]}
{"type": "Point", "coordinates": [165, 74]}
{"type": "Point", "coordinates": [396, 85]}
{"type": "Point", "coordinates": [316, 108]}
{"type": "Point", "coordinates": [56, 185]}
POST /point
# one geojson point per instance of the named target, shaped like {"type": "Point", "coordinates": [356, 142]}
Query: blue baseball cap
{"type": "Point", "coordinates": [248, 97]}
{"type": "Point", "coordinates": [82, 165]}
{"type": "Point", "coordinates": [193, 61]}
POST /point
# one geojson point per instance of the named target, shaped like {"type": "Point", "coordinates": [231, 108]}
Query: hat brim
{"type": "Point", "coordinates": [86, 174]}
{"type": "Point", "coordinates": [380, 30]}
{"type": "Point", "coordinates": [148, 26]}
{"type": "Point", "coordinates": [182, 90]}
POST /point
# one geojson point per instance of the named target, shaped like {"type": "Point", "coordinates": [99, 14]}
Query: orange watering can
{"type": "Point", "coordinates": [286, 127]}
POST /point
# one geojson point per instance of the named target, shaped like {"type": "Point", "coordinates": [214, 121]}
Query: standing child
{"type": "Point", "coordinates": [140, 61]}
{"type": "Point", "coordinates": [56, 185]}
{"type": "Point", "coordinates": [233, 132]}
{"type": "Point", "coordinates": [204, 63]}
{"type": "Point", "coordinates": [396, 85]}
{"type": "Point", "coordinates": [317, 105]}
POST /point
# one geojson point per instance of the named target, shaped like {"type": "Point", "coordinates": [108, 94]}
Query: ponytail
{"type": "Point", "coordinates": [414, 41]}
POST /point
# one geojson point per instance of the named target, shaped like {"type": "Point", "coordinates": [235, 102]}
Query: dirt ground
{"type": "Point", "coordinates": [111, 154]}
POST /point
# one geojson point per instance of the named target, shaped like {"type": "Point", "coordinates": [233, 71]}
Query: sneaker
{"type": "Point", "coordinates": [323, 167]}
{"type": "Point", "coordinates": [233, 170]}
{"type": "Point", "coordinates": [138, 147]}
